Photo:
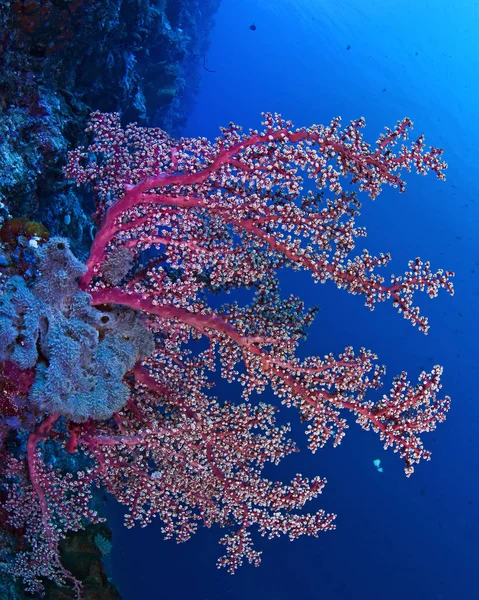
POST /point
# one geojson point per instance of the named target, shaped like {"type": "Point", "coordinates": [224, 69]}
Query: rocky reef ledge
{"type": "Point", "coordinates": [62, 59]}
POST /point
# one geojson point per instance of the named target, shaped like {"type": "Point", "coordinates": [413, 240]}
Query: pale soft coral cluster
{"type": "Point", "coordinates": [80, 354]}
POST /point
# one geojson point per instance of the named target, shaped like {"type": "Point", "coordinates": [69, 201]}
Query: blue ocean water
{"type": "Point", "coordinates": [396, 538]}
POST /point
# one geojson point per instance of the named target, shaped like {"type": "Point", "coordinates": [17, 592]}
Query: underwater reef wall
{"type": "Point", "coordinates": [62, 59]}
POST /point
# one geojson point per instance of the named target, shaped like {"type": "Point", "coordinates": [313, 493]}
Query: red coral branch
{"type": "Point", "coordinates": [183, 221]}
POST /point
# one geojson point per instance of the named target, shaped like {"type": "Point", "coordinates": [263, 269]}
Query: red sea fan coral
{"type": "Point", "coordinates": [182, 223]}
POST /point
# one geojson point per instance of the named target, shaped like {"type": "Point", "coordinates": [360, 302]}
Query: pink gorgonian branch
{"type": "Point", "coordinates": [181, 223]}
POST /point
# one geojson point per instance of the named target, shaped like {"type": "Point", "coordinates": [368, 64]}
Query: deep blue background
{"type": "Point", "coordinates": [397, 538]}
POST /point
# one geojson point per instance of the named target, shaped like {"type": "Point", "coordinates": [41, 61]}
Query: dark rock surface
{"type": "Point", "coordinates": [62, 59]}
